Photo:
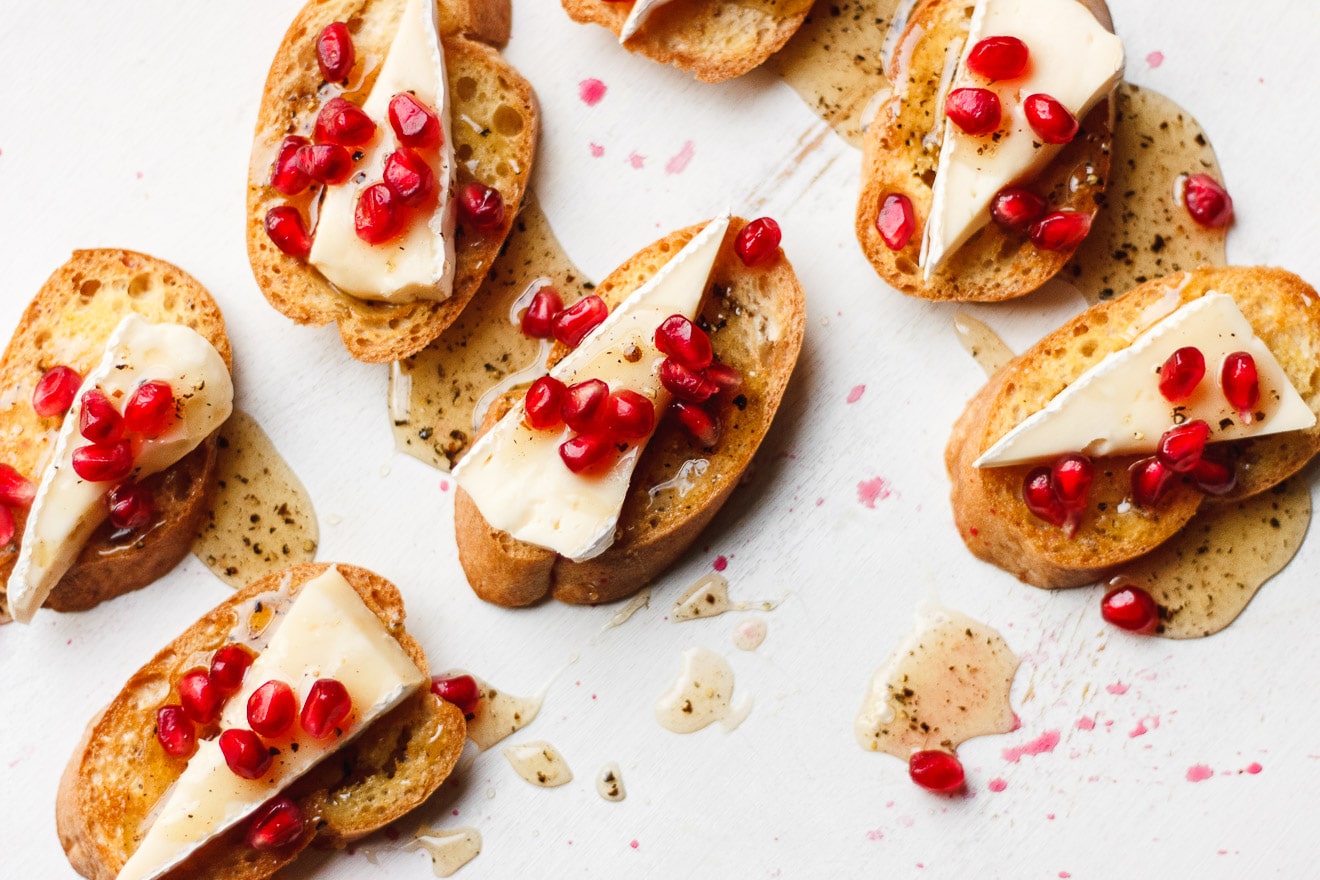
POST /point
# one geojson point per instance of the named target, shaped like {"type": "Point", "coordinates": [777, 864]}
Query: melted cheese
{"type": "Point", "coordinates": [641, 11]}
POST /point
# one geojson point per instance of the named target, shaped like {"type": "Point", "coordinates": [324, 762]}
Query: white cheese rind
{"type": "Point", "coordinates": [67, 509]}
{"type": "Point", "coordinates": [328, 632]}
{"type": "Point", "coordinates": [1116, 408]}
{"type": "Point", "coordinates": [641, 11]}
{"type": "Point", "coordinates": [419, 264]}
{"type": "Point", "coordinates": [514, 474]}
{"type": "Point", "coordinates": [1074, 59]}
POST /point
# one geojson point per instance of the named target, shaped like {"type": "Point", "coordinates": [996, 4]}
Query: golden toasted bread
{"type": "Point", "coordinates": [494, 144]}
{"type": "Point", "coordinates": [987, 502]}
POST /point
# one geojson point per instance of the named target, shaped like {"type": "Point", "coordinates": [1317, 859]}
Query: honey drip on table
{"type": "Point", "coordinates": [539, 763]}
{"type": "Point", "coordinates": [709, 597]}
{"type": "Point", "coordinates": [983, 344]}
{"type": "Point", "coordinates": [499, 714]}
{"type": "Point", "coordinates": [701, 695]}
{"type": "Point", "coordinates": [609, 783]}
{"type": "Point", "coordinates": [449, 848]}
{"type": "Point", "coordinates": [262, 520]}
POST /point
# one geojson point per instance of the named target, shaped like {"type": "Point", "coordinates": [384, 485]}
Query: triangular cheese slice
{"type": "Point", "coordinates": [641, 11]}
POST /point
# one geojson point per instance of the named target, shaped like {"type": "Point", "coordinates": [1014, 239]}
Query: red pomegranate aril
{"type": "Point", "coordinates": [103, 464]}
{"type": "Point", "coordinates": [1060, 231]}
{"type": "Point", "coordinates": [409, 176]}
{"type": "Point", "coordinates": [538, 321]}
{"type": "Point", "coordinates": [998, 58]}
{"type": "Point", "coordinates": [581, 407]}
{"type": "Point", "coordinates": [289, 176]}
{"type": "Point", "coordinates": [1131, 608]}
{"type": "Point", "coordinates": [1015, 209]}
{"type": "Point", "coordinates": [461, 690]}
{"type": "Point", "coordinates": [724, 376]}
{"type": "Point", "coordinates": [1241, 384]}
{"type": "Point", "coordinates": [685, 383]}
{"type": "Point", "coordinates": [175, 732]}
{"type": "Point", "coordinates": [628, 415]}
{"type": "Point", "coordinates": [544, 403]}
{"type": "Point", "coordinates": [16, 490]}
{"type": "Point", "coordinates": [98, 419]}
{"type": "Point", "coordinates": [379, 214]}
{"type": "Point", "coordinates": [1207, 201]}
{"type": "Point", "coordinates": [1038, 494]}
{"type": "Point", "coordinates": [228, 667]}
{"type": "Point", "coordinates": [936, 771]}
{"type": "Point", "coordinates": [975, 111]}
{"type": "Point", "coordinates": [758, 241]}
{"type": "Point", "coordinates": [200, 699]}
{"type": "Point", "coordinates": [284, 226]}
{"type": "Point", "coordinates": [334, 52]}
{"type": "Point", "coordinates": [271, 708]}
{"type": "Point", "coordinates": [55, 391]}
{"type": "Point", "coordinates": [1181, 373]}
{"type": "Point", "coordinates": [7, 526]}
{"type": "Point", "coordinates": [343, 122]}
{"type": "Point", "coordinates": [326, 163]}
{"type": "Point", "coordinates": [581, 452]}
{"type": "Point", "coordinates": [132, 506]}
{"type": "Point", "coordinates": [1049, 119]}
{"type": "Point", "coordinates": [150, 409]}
{"type": "Point", "coordinates": [1070, 480]}
{"type": "Point", "coordinates": [481, 206]}
{"type": "Point", "coordinates": [896, 221]}
{"type": "Point", "coordinates": [277, 824]}
{"type": "Point", "coordinates": [1182, 445]}
{"type": "Point", "coordinates": [414, 124]}
{"type": "Point", "coordinates": [1150, 480]}
{"type": "Point", "coordinates": [700, 424]}
{"type": "Point", "coordinates": [1215, 475]}
{"type": "Point", "coordinates": [327, 706]}
{"type": "Point", "coordinates": [571, 325]}
{"type": "Point", "coordinates": [245, 754]}
{"type": "Point", "coordinates": [684, 342]}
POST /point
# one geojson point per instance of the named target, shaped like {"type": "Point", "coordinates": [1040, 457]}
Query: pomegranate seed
{"type": "Point", "coordinates": [1060, 231]}
{"type": "Point", "coordinates": [1015, 209]}
{"type": "Point", "coordinates": [326, 163]}
{"type": "Point", "coordinates": [277, 824]}
{"type": "Point", "coordinates": [343, 122]}
{"type": "Point", "coordinates": [334, 52]}
{"type": "Point", "coordinates": [1070, 480]}
{"type": "Point", "coordinates": [7, 526]}
{"type": "Point", "coordinates": [245, 753]}
{"type": "Point", "coordinates": [1215, 474]}
{"type": "Point", "coordinates": [1038, 494]}
{"type": "Point", "coordinates": [327, 706]}
{"type": "Point", "coordinates": [16, 490]}
{"type": "Point", "coordinates": [379, 214]}
{"type": "Point", "coordinates": [99, 421]}
{"type": "Point", "coordinates": [758, 241]}
{"type": "Point", "coordinates": [700, 424]}
{"type": "Point", "coordinates": [285, 227]}
{"type": "Point", "coordinates": [1150, 480]}
{"type": "Point", "coordinates": [132, 506]}
{"type": "Point", "coordinates": [271, 708]}
{"type": "Point", "coordinates": [724, 376]}
{"type": "Point", "coordinates": [1049, 119]}
{"type": "Point", "coordinates": [103, 464]}
{"type": "Point", "coordinates": [151, 409]}
{"type": "Point", "coordinates": [628, 415]}
{"type": "Point", "coordinates": [1131, 608]}
{"type": "Point", "coordinates": [482, 206]}
{"type": "Point", "coordinates": [936, 771]}
{"type": "Point", "coordinates": [1207, 201]}
{"type": "Point", "coordinates": [685, 342]}
{"type": "Point", "coordinates": [685, 383]}
{"type": "Point", "coordinates": [975, 111]}
{"type": "Point", "coordinates": [461, 690]}
{"type": "Point", "coordinates": [200, 699]}
{"type": "Point", "coordinates": [1241, 383]}
{"type": "Point", "coordinates": [55, 391]}
{"type": "Point", "coordinates": [415, 124]}
{"type": "Point", "coordinates": [581, 452]}
{"type": "Point", "coordinates": [175, 732]}
{"type": "Point", "coordinates": [571, 325]}
{"type": "Point", "coordinates": [582, 404]}
{"type": "Point", "coordinates": [998, 58]}
{"type": "Point", "coordinates": [1181, 373]}
{"type": "Point", "coordinates": [538, 320]}
{"type": "Point", "coordinates": [409, 177]}
{"type": "Point", "coordinates": [289, 176]}
{"type": "Point", "coordinates": [896, 222]}
{"type": "Point", "coordinates": [545, 400]}
{"type": "Point", "coordinates": [1181, 446]}
{"type": "Point", "coordinates": [228, 667]}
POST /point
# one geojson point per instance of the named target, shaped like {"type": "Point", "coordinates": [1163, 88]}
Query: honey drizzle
{"type": "Point", "coordinates": [984, 345]}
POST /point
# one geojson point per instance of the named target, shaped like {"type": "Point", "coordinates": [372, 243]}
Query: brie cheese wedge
{"type": "Point", "coordinates": [514, 473]}
{"type": "Point", "coordinates": [641, 11]}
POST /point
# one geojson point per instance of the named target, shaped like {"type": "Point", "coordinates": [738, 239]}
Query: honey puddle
{"type": "Point", "coordinates": [709, 597]}
{"type": "Point", "coordinates": [434, 394]}
{"type": "Point", "coordinates": [539, 763]}
{"type": "Point", "coordinates": [701, 695]}
{"type": "Point", "coordinates": [624, 614]}
{"type": "Point", "coordinates": [748, 635]}
{"type": "Point", "coordinates": [449, 848]}
{"type": "Point", "coordinates": [499, 714]}
{"type": "Point", "coordinates": [946, 682]}
{"type": "Point", "coordinates": [983, 344]}
{"type": "Point", "coordinates": [262, 519]}
{"type": "Point", "coordinates": [609, 783]}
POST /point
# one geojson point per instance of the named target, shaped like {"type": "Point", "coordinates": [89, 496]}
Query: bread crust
{"type": "Point", "coordinates": [483, 88]}
{"type": "Point", "coordinates": [991, 518]}
{"type": "Point", "coordinates": [757, 317]}
{"type": "Point", "coordinates": [711, 39]}
{"type": "Point", "coordinates": [993, 264]}
{"type": "Point", "coordinates": [69, 322]}
{"type": "Point", "coordinates": [119, 771]}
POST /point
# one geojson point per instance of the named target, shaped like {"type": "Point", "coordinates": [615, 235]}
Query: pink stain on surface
{"type": "Point", "coordinates": [856, 393]}
{"type": "Point", "coordinates": [678, 163]}
{"type": "Point", "coordinates": [875, 834]}
{"type": "Point", "coordinates": [871, 491]}
{"type": "Point", "coordinates": [1141, 727]}
{"type": "Point", "coordinates": [636, 160]}
{"type": "Point", "coordinates": [1155, 59]}
{"type": "Point", "coordinates": [1065, 875]}
{"type": "Point", "coordinates": [1086, 723]}
{"type": "Point", "coordinates": [596, 150]}
{"type": "Point", "coordinates": [444, 485]}
{"type": "Point", "coordinates": [591, 91]}
{"type": "Point", "coordinates": [1199, 773]}
{"type": "Point", "coordinates": [997, 785]}
{"type": "Point", "coordinates": [634, 844]}
{"type": "Point", "coordinates": [1118, 688]}
{"type": "Point", "coordinates": [1254, 767]}
{"type": "Point", "coordinates": [720, 563]}
{"type": "Point", "coordinates": [139, 175]}
{"type": "Point", "coordinates": [1038, 746]}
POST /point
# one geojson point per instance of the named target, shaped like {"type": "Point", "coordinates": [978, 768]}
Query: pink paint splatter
{"type": "Point", "coordinates": [820, 501]}
{"type": "Point", "coordinates": [875, 834]}
{"type": "Point", "coordinates": [1141, 727]}
{"type": "Point", "coordinates": [1017, 723]}
{"type": "Point", "coordinates": [720, 563]}
{"type": "Point", "coordinates": [596, 150]}
{"type": "Point", "coordinates": [1086, 723]}
{"type": "Point", "coordinates": [1038, 746]}
{"type": "Point", "coordinates": [444, 485]}
{"type": "Point", "coordinates": [634, 844]}
{"type": "Point", "coordinates": [139, 175]}
{"type": "Point", "coordinates": [856, 393]}
{"type": "Point", "coordinates": [1049, 816]}
{"type": "Point", "coordinates": [1155, 59]}
{"type": "Point", "coordinates": [997, 784]}
{"type": "Point", "coordinates": [591, 91]}
{"type": "Point", "coordinates": [679, 161]}
{"type": "Point", "coordinates": [1118, 688]}
{"type": "Point", "coordinates": [1199, 773]}
{"type": "Point", "coordinates": [636, 160]}
{"type": "Point", "coordinates": [871, 491]}
{"type": "Point", "coordinates": [1064, 875]}
{"type": "Point", "coordinates": [1253, 768]}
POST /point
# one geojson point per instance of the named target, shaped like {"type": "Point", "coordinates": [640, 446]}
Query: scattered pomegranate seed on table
{"type": "Point", "coordinates": [103, 464]}
{"type": "Point", "coordinates": [975, 111]}
{"type": "Point", "coordinates": [131, 505]}
{"type": "Point", "coordinates": [1207, 201]}
{"type": "Point", "coordinates": [175, 732]}
{"type": "Point", "coordinates": [940, 772]}
{"type": "Point", "coordinates": [228, 667]}
{"type": "Point", "coordinates": [289, 175]}
{"type": "Point", "coordinates": [581, 452]}
{"type": "Point", "coordinates": [1060, 231]}
{"type": "Point", "coordinates": [1131, 608]}
{"type": "Point", "coordinates": [277, 824]}
{"type": "Point", "coordinates": [325, 163]}
{"type": "Point", "coordinates": [700, 424]}
{"type": "Point", "coordinates": [544, 402]}
{"type": "Point", "coordinates": [571, 325]}
{"type": "Point", "coordinates": [409, 176]}
{"type": "Point", "coordinates": [758, 241]}
{"type": "Point", "coordinates": [98, 420]}
{"type": "Point", "coordinates": [628, 415]}
{"type": "Point", "coordinates": [16, 490]}
{"type": "Point", "coordinates": [327, 705]}
{"type": "Point", "coordinates": [461, 690]}
{"type": "Point", "coordinates": [415, 124]}
{"type": "Point", "coordinates": [538, 321]}
{"type": "Point", "coordinates": [201, 700]}
{"type": "Point", "coordinates": [481, 206]}
{"type": "Point", "coordinates": [342, 122]}
{"type": "Point", "coordinates": [685, 342]}
{"type": "Point", "coordinates": [271, 708]}
{"type": "Point", "coordinates": [150, 409]}
{"type": "Point", "coordinates": [896, 222]}
{"type": "Point", "coordinates": [284, 226]}
{"type": "Point", "coordinates": [1015, 209]}
{"type": "Point", "coordinates": [998, 58]}
{"type": "Point", "coordinates": [378, 216]}
{"type": "Point", "coordinates": [1150, 480]}
{"type": "Point", "coordinates": [1181, 373]}
{"type": "Point", "coordinates": [245, 754]}
{"type": "Point", "coordinates": [1049, 119]}
{"type": "Point", "coordinates": [334, 52]}
{"type": "Point", "coordinates": [1241, 384]}
{"type": "Point", "coordinates": [1181, 446]}
{"type": "Point", "coordinates": [55, 391]}
{"type": "Point", "coordinates": [582, 404]}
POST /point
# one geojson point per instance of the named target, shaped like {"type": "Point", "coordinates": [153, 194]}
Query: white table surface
{"type": "Point", "coordinates": [128, 124]}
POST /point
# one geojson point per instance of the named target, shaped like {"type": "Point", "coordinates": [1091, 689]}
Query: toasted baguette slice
{"type": "Point", "coordinates": [756, 318]}
{"type": "Point", "coordinates": [495, 147]}
{"type": "Point", "coordinates": [993, 264]}
{"type": "Point", "coordinates": [119, 771]}
{"type": "Point", "coordinates": [69, 322]}
{"type": "Point", "coordinates": [987, 503]}
{"type": "Point", "coordinates": [711, 39]}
